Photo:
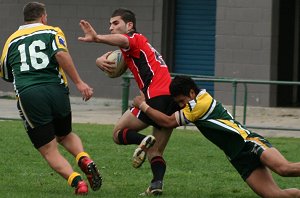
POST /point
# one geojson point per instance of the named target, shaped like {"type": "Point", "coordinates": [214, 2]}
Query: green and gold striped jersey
{"type": "Point", "coordinates": [215, 123]}
{"type": "Point", "coordinates": [28, 56]}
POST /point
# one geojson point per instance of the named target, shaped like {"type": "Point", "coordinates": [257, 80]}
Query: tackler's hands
{"type": "Point", "coordinates": [138, 100]}
{"type": "Point", "coordinates": [104, 64]}
{"type": "Point", "coordinates": [90, 35]}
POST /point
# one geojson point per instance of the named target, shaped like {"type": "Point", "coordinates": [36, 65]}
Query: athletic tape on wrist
{"type": "Point", "coordinates": [144, 106]}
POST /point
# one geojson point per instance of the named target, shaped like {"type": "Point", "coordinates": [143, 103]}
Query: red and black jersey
{"type": "Point", "coordinates": [147, 66]}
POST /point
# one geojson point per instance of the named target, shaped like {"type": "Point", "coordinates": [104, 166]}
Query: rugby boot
{"type": "Point", "coordinates": [140, 152]}
{"type": "Point", "coordinates": [81, 188]}
{"type": "Point", "coordinates": [91, 171]}
{"type": "Point", "coordinates": [155, 189]}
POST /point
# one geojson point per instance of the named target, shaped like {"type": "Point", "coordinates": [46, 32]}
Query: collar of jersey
{"type": "Point", "coordinates": [30, 25]}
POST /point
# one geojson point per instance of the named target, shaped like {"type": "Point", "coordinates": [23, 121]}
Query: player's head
{"type": "Point", "coordinates": [183, 89]}
{"type": "Point", "coordinates": [122, 21]}
{"type": "Point", "coordinates": [35, 12]}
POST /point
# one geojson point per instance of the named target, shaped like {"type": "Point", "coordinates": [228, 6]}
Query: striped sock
{"type": "Point", "coordinates": [127, 136]}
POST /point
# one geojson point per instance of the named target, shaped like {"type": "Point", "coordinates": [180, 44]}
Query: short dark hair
{"type": "Point", "coordinates": [33, 10]}
{"type": "Point", "coordinates": [182, 85]}
{"type": "Point", "coordinates": [126, 15]}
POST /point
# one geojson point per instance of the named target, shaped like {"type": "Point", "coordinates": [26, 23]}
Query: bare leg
{"type": "Point", "coordinates": [71, 143]}
{"type": "Point", "coordinates": [127, 120]}
{"type": "Point", "coordinates": [157, 162]}
{"type": "Point", "coordinates": [55, 160]}
{"type": "Point", "coordinates": [274, 160]}
{"type": "Point", "coordinates": [162, 137]}
{"type": "Point", "coordinates": [262, 183]}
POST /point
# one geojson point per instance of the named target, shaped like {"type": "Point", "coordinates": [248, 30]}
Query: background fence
{"type": "Point", "coordinates": [128, 76]}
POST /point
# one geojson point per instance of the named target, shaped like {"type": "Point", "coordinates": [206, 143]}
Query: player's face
{"type": "Point", "coordinates": [182, 100]}
{"type": "Point", "coordinates": [118, 26]}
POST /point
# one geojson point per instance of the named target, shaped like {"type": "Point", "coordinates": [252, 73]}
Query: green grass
{"type": "Point", "coordinates": [196, 168]}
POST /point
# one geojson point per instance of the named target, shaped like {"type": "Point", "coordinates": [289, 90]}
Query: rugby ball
{"type": "Point", "coordinates": [119, 66]}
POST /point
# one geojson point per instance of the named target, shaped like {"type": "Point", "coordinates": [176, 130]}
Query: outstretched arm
{"type": "Point", "coordinates": [90, 35]}
{"type": "Point", "coordinates": [160, 118]}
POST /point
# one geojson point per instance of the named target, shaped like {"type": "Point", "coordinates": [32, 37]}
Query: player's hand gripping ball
{"type": "Point", "coordinates": [119, 67]}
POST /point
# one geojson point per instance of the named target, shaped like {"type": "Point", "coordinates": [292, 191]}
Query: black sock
{"type": "Point", "coordinates": [158, 167]}
{"type": "Point", "coordinates": [128, 136]}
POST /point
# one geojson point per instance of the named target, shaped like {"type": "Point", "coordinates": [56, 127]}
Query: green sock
{"type": "Point", "coordinates": [76, 180]}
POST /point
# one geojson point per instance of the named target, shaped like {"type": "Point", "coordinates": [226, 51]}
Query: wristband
{"type": "Point", "coordinates": [144, 106]}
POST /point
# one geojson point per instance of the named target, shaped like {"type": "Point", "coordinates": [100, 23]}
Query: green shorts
{"type": "Point", "coordinates": [46, 112]}
{"type": "Point", "coordinates": [41, 104]}
{"type": "Point", "coordinates": [249, 158]}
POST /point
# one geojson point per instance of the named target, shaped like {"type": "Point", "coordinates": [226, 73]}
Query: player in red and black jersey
{"type": "Point", "coordinates": [146, 64]}
{"type": "Point", "coordinates": [153, 79]}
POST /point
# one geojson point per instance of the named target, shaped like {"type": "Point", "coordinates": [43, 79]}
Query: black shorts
{"type": "Point", "coordinates": [46, 112]}
{"type": "Point", "coordinates": [164, 104]}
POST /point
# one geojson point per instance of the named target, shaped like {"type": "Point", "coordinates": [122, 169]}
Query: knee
{"type": "Point", "coordinates": [115, 136]}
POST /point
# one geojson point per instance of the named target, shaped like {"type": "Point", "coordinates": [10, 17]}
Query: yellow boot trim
{"type": "Point", "coordinates": [71, 177]}
{"type": "Point", "coordinates": [82, 154]}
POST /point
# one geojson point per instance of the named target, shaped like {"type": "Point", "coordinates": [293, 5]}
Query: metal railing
{"type": "Point", "coordinates": [128, 76]}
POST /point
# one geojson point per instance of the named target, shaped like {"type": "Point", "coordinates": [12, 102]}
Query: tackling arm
{"type": "Point", "coordinates": [157, 116]}
{"type": "Point", "coordinates": [161, 118]}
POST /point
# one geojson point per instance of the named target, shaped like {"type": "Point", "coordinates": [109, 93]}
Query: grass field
{"type": "Point", "coordinates": [196, 168]}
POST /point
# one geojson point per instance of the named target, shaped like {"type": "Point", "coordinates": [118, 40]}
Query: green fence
{"type": "Point", "coordinates": [128, 76]}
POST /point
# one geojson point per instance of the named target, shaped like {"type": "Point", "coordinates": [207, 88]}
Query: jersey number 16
{"type": "Point", "coordinates": [38, 59]}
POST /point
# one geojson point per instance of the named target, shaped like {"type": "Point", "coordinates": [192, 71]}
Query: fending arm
{"type": "Point", "coordinates": [90, 35]}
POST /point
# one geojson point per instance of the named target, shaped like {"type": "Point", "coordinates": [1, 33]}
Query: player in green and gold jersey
{"type": "Point", "coordinates": [35, 58]}
{"type": "Point", "coordinates": [250, 154]}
